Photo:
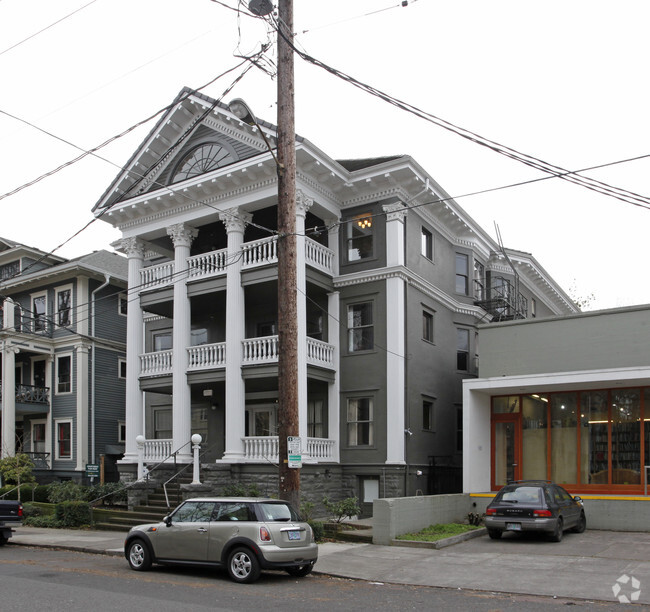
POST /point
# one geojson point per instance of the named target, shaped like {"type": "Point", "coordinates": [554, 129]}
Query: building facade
{"type": "Point", "coordinates": [63, 360]}
{"type": "Point", "coordinates": [393, 278]}
{"type": "Point", "coordinates": [568, 401]}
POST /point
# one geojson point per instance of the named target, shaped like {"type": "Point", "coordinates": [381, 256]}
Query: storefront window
{"type": "Point", "coordinates": [626, 437]}
{"type": "Point", "coordinates": [564, 437]}
{"type": "Point", "coordinates": [535, 436]}
{"type": "Point", "coordinates": [594, 441]}
{"type": "Point", "coordinates": [505, 405]}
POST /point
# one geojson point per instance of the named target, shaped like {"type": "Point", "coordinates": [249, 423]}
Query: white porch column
{"type": "Point", "coordinates": [395, 335]}
{"type": "Point", "coordinates": [333, 389]}
{"type": "Point", "coordinates": [182, 236]}
{"type": "Point", "coordinates": [235, 222]}
{"type": "Point", "coordinates": [81, 385]}
{"type": "Point", "coordinates": [303, 204]}
{"type": "Point", "coordinates": [134, 408]}
{"type": "Point", "coordinates": [8, 440]}
{"type": "Point", "coordinates": [333, 244]}
{"type": "Point", "coordinates": [49, 428]}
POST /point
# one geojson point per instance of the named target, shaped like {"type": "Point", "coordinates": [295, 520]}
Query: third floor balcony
{"type": "Point", "coordinates": [254, 254]}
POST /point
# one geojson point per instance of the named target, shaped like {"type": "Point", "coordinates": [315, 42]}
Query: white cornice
{"type": "Point", "coordinates": [415, 281]}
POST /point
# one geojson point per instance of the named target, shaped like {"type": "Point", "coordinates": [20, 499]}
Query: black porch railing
{"type": "Point", "coordinates": [41, 461]}
{"type": "Point", "coordinates": [29, 394]}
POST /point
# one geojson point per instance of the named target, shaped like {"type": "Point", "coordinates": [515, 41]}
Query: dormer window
{"type": "Point", "coordinates": [202, 159]}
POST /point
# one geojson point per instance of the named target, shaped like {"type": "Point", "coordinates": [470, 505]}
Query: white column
{"type": "Point", "coordinates": [182, 236]}
{"type": "Point", "coordinates": [303, 204]}
{"type": "Point", "coordinates": [395, 336]}
{"type": "Point", "coordinates": [333, 389]}
{"type": "Point", "coordinates": [81, 375]}
{"type": "Point", "coordinates": [134, 408]}
{"type": "Point", "coordinates": [333, 244]}
{"type": "Point", "coordinates": [8, 391]}
{"type": "Point", "coordinates": [235, 222]}
{"type": "Point", "coordinates": [49, 377]}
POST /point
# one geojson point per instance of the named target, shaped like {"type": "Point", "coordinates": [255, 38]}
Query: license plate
{"type": "Point", "coordinates": [294, 535]}
{"type": "Point", "coordinates": [513, 526]}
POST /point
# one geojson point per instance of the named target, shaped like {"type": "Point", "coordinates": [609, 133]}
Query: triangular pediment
{"type": "Point", "coordinates": [196, 135]}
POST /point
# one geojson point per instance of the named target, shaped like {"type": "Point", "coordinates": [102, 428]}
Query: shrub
{"type": "Point", "coordinates": [73, 513]}
{"type": "Point", "coordinates": [347, 507]}
{"type": "Point", "coordinates": [66, 491]}
{"type": "Point", "coordinates": [42, 521]}
{"type": "Point", "coordinates": [29, 510]}
{"type": "Point", "coordinates": [319, 530]}
{"type": "Point", "coordinates": [307, 511]}
{"type": "Point", "coordinates": [110, 493]}
{"type": "Point", "coordinates": [239, 489]}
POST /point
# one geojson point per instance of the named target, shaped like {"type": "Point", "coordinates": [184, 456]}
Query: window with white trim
{"type": "Point", "coordinates": [359, 237]}
{"type": "Point", "coordinates": [64, 374]}
{"type": "Point", "coordinates": [427, 244]}
{"type": "Point", "coordinates": [360, 421]}
{"type": "Point", "coordinates": [38, 436]}
{"type": "Point", "coordinates": [39, 312]}
{"type": "Point", "coordinates": [121, 368]}
{"type": "Point", "coordinates": [361, 331]}
{"type": "Point", "coordinates": [462, 350]}
{"type": "Point", "coordinates": [63, 439]}
{"type": "Point", "coordinates": [122, 304]}
{"type": "Point", "coordinates": [462, 274]}
{"type": "Point", "coordinates": [121, 431]}
{"type": "Point", "coordinates": [63, 305]}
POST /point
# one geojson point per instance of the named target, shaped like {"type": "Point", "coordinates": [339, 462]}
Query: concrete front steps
{"type": "Point", "coordinates": [151, 512]}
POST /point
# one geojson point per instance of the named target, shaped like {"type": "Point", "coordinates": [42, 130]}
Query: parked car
{"type": "Point", "coordinates": [11, 515]}
{"type": "Point", "coordinates": [244, 535]}
{"type": "Point", "coordinates": [533, 505]}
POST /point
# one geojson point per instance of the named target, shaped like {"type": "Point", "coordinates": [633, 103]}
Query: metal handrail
{"type": "Point", "coordinates": [174, 476]}
{"type": "Point", "coordinates": [7, 492]}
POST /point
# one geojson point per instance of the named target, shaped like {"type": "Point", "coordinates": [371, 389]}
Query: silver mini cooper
{"type": "Point", "coordinates": [244, 535]}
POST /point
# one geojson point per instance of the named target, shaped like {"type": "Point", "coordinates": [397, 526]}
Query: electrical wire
{"type": "Point", "coordinates": [24, 40]}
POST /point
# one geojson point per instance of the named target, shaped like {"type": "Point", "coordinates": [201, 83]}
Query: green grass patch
{"type": "Point", "coordinates": [433, 533]}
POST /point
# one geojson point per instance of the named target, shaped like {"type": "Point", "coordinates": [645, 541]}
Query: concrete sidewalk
{"type": "Point", "coordinates": [582, 566]}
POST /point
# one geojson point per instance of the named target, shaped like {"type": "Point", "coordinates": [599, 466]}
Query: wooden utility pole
{"type": "Point", "coordinates": [289, 485]}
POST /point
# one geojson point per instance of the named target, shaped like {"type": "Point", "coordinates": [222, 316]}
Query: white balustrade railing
{"type": "Point", "coordinates": [260, 252]}
{"type": "Point", "coordinates": [207, 356]}
{"type": "Point", "coordinates": [155, 451]}
{"type": "Point", "coordinates": [156, 364]}
{"type": "Point", "coordinates": [320, 353]}
{"type": "Point", "coordinates": [260, 350]}
{"type": "Point", "coordinates": [265, 448]}
{"type": "Point", "coordinates": [153, 276]}
{"type": "Point", "coordinates": [208, 264]}
{"type": "Point", "coordinates": [318, 256]}
{"type": "Point", "coordinates": [261, 448]}
{"type": "Point", "coordinates": [320, 449]}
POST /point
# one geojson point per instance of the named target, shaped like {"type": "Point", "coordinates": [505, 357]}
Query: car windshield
{"type": "Point", "coordinates": [522, 495]}
{"type": "Point", "coordinates": [278, 512]}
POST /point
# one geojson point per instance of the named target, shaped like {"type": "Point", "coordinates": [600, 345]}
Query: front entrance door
{"type": "Point", "coordinates": [506, 452]}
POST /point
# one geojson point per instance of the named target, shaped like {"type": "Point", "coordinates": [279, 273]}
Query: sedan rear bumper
{"type": "Point", "coordinates": [502, 523]}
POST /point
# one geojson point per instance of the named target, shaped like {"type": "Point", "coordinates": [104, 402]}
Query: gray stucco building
{"type": "Point", "coordinates": [393, 279]}
{"type": "Point", "coordinates": [63, 359]}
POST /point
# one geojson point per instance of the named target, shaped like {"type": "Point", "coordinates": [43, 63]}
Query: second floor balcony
{"type": "Point", "coordinates": [30, 394]}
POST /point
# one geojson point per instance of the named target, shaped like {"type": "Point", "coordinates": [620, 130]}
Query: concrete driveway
{"type": "Point", "coordinates": [584, 566]}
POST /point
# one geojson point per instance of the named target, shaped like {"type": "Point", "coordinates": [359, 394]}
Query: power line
{"type": "Point", "coordinates": [24, 40]}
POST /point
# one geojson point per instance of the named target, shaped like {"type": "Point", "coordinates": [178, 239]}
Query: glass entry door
{"type": "Point", "coordinates": [506, 452]}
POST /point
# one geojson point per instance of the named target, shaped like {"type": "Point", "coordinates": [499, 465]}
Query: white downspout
{"type": "Point", "coordinates": [92, 368]}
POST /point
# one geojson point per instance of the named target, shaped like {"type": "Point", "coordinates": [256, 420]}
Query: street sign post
{"type": "Point", "coordinates": [294, 451]}
{"type": "Point", "coordinates": [92, 470]}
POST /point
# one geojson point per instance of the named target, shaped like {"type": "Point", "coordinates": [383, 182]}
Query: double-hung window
{"type": "Point", "coordinates": [360, 421]}
{"type": "Point", "coordinates": [64, 307]}
{"type": "Point", "coordinates": [64, 439]}
{"type": "Point", "coordinates": [462, 351]}
{"type": "Point", "coordinates": [427, 326]}
{"type": "Point", "coordinates": [64, 374]}
{"type": "Point", "coordinates": [427, 244]}
{"type": "Point", "coordinates": [39, 312]}
{"type": "Point", "coordinates": [462, 272]}
{"type": "Point", "coordinates": [360, 237]}
{"type": "Point", "coordinates": [361, 334]}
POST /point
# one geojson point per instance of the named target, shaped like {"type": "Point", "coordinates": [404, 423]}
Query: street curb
{"type": "Point", "coordinates": [83, 549]}
{"type": "Point", "coordinates": [469, 535]}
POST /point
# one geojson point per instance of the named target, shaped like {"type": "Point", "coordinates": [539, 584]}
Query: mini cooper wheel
{"type": "Point", "coordinates": [138, 556]}
{"type": "Point", "coordinates": [301, 571]}
{"type": "Point", "coordinates": [243, 566]}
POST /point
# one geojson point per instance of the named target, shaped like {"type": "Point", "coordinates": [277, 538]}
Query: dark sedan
{"type": "Point", "coordinates": [537, 506]}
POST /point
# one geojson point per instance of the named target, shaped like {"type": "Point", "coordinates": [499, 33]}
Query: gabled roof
{"type": "Point", "coordinates": [360, 164]}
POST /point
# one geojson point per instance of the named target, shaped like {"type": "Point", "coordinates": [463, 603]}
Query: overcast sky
{"type": "Point", "coordinates": [565, 81]}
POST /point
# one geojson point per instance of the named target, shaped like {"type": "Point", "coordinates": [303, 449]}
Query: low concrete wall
{"type": "Point", "coordinates": [398, 515]}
